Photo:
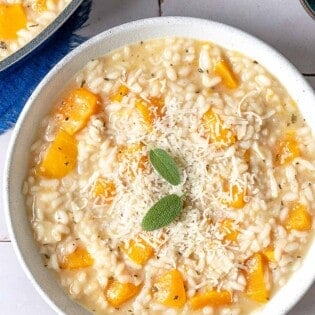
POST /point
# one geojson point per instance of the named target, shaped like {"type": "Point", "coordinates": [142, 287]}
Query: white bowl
{"type": "Point", "coordinates": [47, 93]}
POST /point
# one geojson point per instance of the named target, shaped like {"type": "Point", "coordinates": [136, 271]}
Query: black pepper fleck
{"type": "Point", "coordinates": [293, 119]}
{"type": "Point", "coordinates": [3, 45]}
{"type": "Point", "coordinates": [155, 289]}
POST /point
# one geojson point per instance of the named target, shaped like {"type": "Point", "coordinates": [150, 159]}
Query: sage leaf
{"type": "Point", "coordinates": [164, 164]}
{"type": "Point", "coordinates": [162, 213]}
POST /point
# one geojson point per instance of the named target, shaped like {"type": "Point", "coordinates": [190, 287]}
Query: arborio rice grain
{"type": "Point", "coordinates": [246, 159]}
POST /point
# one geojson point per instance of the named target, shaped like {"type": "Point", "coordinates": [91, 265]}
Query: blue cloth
{"type": "Point", "coordinates": [18, 83]}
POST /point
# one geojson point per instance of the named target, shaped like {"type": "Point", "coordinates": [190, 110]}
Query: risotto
{"type": "Point", "coordinates": [22, 20]}
{"type": "Point", "coordinates": [172, 177]}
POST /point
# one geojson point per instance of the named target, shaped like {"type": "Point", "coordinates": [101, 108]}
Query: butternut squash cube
{"type": "Point", "coordinates": [158, 104]}
{"type": "Point", "coordinates": [255, 276]}
{"type": "Point", "coordinates": [150, 111]}
{"type": "Point", "coordinates": [104, 188]}
{"type": "Point", "coordinates": [287, 149]}
{"type": "Point", "coordinates": [119, 94]}
{"type": "Point", "coordinates": [12, 19]}
{"type": "Point", "coordinates": [76, 110]}
{"type": "Point", "coordinates": [131, 153]}
{"type": "Point", "coordinates": [118, 293]}
{"type": "Point", "coordinates": [235, 198]}
{"type": "Point", "coordinates": [80, 258]}
{"type": "Point", "coordinates": [139, 251]}
{"type": "Point", "coordinates": [269, 253]}
{"type": "Point", "coordinates": [39, 6]}
{"type": "Point", "coordinates": [227, 228]}
{"type": "Point", "coordinates": [169, 289]}
{"type": "Point", "coordinates": [145, 112]}
{"type": "Point", "coordinates": [299, 219]}
{"type": "Point", "coordinates": [224, 70]}
{"type": "Point", "coordinates": [210, 298]}
{"type": "Point", "coordinates": [60, 158]}
{"type": "Point", "coordinates": [214, 127]}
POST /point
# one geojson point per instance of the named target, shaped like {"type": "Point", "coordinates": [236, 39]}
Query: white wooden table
{"type": "Point", "coordinates": [281, 23]}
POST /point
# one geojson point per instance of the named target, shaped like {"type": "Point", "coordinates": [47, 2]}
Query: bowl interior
{"type": "Point", "coordinates": [54, 83]}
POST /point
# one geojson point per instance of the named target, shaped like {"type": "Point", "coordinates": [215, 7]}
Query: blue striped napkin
{"type": "Point", "coordinates": [18, 83]}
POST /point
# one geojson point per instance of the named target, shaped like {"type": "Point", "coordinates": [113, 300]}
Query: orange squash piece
{"type": "Point", "coordinates": [216, 131]}
{"type": "Point", "coordinates": [104, 188]}
{"type": "Point", "coordinates": [287, 149]}
{"type": "Point", "coordinates": [39, 6]}
{"type": "Point", "coordinates": [150, 111]}
{"type": "Point", "coordinates": [299, 219]}
{"type": "Point", "coordinates": [256, 287]}
{"type": "Point", "coordinates": [226, 228]}
{"type": "Point", "coordinates": [80, 258]}
{"type": "Point", "coordinates": [12, 19]}
{"type": "Point", "coordinates": [158, 104]}
{"type": "Point", "coordinates": [269, 253]}
{"type": "Point", "coordinates": [76, 110]}
{"type": "Point", "coordinates": [139, 251]}
{"type": "Point", "coordinates": [223, 70]}
{"type": "Point", "coordinates": [60, 158]}
{"type": "Point", "coordinates": [235, 198]}
{"type": "Point", "coordinates": [145, 112]}
{"type": "Point", "coordinates": [118, 293]}
{"type": "Point", "coordinates": [130, 153]}
{"type": "Point", "coordinates": [210, 298]}
{"type": "Point", "coordinates": [119, 94]}
{"type": "Point", "coordinates": [169, 289]}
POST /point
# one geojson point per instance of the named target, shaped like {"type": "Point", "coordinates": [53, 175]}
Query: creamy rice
{"type": "Point", "coordinates": [25, 19]}
{"type": "Point", "coordinates": [246, 158]}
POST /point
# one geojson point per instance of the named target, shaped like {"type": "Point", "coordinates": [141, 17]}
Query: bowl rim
{"type": "Point", "coordinates": [308, 8]}
{"type": "Point", "coordinates": [40, 38]}
{"type": "Point", "coordinates": [116, 31]}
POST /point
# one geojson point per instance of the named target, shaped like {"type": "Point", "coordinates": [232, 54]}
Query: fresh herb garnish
{"type": "Point", "coordinates": [164, 164]}
{"type": "Point", "coordinates": [162, 213]}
